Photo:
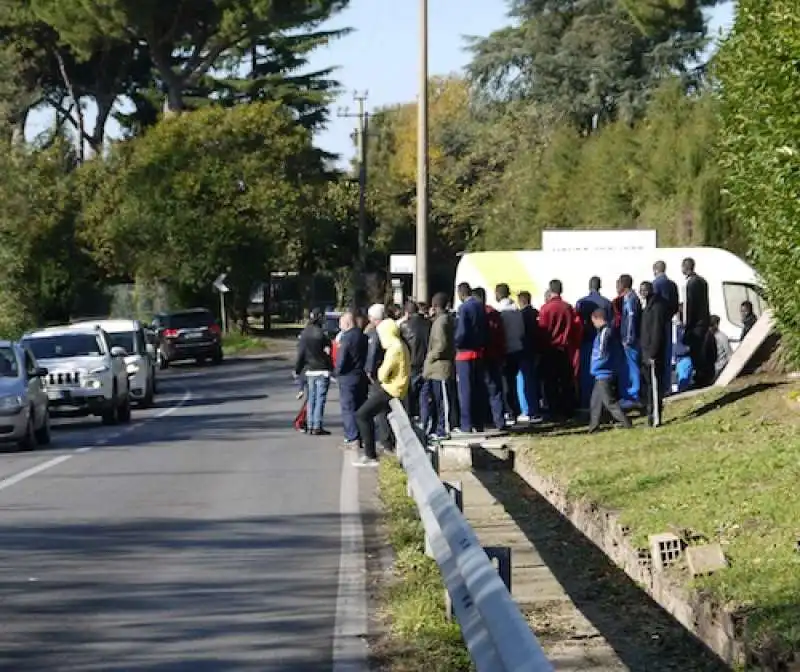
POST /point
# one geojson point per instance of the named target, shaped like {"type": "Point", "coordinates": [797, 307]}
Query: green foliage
{"type": "Point", "coordinates": [760, 102]}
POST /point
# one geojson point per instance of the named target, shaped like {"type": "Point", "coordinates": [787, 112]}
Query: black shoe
{"type": "Point", "coordinates": [320, 432]}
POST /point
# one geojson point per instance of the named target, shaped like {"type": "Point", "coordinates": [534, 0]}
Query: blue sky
{"type": "Point", "coordinates": [381, 56]}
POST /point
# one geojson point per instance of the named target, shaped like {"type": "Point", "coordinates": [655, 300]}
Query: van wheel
{"type": "Point", "coordinates": [43, 433]}
{"type": "Point", "coordinates": [147, 401]}
{"type": "Point", "coordinates": [124, 411]}
{"type": "Point", "coordinates": [111, 413]}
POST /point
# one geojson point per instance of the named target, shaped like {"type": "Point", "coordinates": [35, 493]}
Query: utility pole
{"type": "Point", "coordinates": [362, 143]}
{"type": "Point", "coordinates": [421, 277]}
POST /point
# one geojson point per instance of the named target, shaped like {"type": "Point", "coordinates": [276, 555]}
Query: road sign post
{"type": "Point", "coordinates": [223, 289]}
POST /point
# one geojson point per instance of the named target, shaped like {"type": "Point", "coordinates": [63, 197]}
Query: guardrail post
{"type": "Point", "coordinates": [433, 456]}
{"type": "Point", "coordinates": [456, 490]}
{"type": "Point", "coordinates": [501, 554]}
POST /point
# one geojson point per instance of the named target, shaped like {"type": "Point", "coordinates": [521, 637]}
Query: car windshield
{"type": "Point", "coordinates": [186, 320]}
{"type": "Point", "coordinates": [124, 340]}
{"type": "Point", "coordinates": [65, 345]}
{"type": "Point", "coordinates": [8, 363]}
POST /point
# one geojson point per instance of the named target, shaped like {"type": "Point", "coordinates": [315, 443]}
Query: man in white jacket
{"type": "Point", "coordinates": [514, 327]}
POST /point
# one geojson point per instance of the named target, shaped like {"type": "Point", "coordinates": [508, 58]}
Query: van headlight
{"type": "Point", "coordinates": [10, 403]}
{"type": "Point", "coordinates": [132, 368]}
{"type": "Point", "coordinates": [92, 384]}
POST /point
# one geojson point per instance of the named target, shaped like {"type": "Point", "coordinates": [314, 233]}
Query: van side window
{"type": "Point", "coordinates": [735, 294]}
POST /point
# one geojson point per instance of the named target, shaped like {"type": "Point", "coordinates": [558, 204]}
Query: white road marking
{"type": "Point", "coordinates": [350, 629]}
{"type": "Point", "coordinates": [49, 464]}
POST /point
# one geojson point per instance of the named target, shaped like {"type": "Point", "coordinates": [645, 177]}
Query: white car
{"type": "Point", "coordinates": [24, 415]}
{"type": "Point", "coordinates": [86, 375]}
{"type": "Point", "coordinates": [139, 361]}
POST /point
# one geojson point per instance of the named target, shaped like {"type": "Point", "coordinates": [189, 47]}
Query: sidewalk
{"type": "Point", "coordinates": [569, 639]}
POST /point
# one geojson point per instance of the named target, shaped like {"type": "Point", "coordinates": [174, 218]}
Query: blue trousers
{"type": "Point", "coordinates": [317, 395]}
{"type": "Point", "coordinates": [442, 400]}
{"type": "Point", "coordinates": [684, 370]}
{"type": "Point", "coordinates": [352, 393]}
{"type": "Point", "coordinates": [632, 382]}
{"type": "Point", "coordinates": [586, 379]}
{"type": "Point", "coordinates": [493, 383]}
{"type": "Point", "coordinates": [528, 388]}
{"type": "Point", "coordinates": [471, 393]}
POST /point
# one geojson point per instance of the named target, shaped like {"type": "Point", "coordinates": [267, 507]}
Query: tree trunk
{"type": "Point", "coordinates": [105, 104]}
{"type": "Point", "coordinates": [78, 110]}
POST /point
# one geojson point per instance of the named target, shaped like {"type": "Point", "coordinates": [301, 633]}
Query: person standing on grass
{"type": "Point", "coordinates": [696, 322]}
{"type": "Point", "coordinates": [439, 368]}
{"type": "Point", "coordinates": [415, 331]}
{"type": "Point", "coordinates": [392, 383]}
{"type": "Point", "coordinates": [314, 360]}
{"type": "Point", "coordinates": [604, 368]}
{"type": "Point", "coordinates": [668, 291]}
{"type": "Point", "coordinates": [471, 339]}
{"type": "Point", "coordinates": [351, 358]}
{"type": "Point", "coordinates": [630, 330]}
{"type": "Point", "coordinates": [585, 307]}
{"type": "Point", "coordinates": [528, 381]}
{"type": "Point", "coordinates": [656, 324]}
{"type": "Point", "coordinates": [557, 319]}
{"type": "Point", "coordinates": [514, 328]}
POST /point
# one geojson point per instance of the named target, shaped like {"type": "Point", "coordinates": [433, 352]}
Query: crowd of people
{"type": "Point", "coordinates": [486, 368]}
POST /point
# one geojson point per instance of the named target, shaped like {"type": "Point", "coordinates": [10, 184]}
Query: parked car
{"type": "Point", "coordinates": [86, 374]}
{"type": "Point", "coordinates": [187, 334]}
{"type": "Point", "coordinates": [140, 363]}
{"type": "Point", "coordinates": [24, 413]}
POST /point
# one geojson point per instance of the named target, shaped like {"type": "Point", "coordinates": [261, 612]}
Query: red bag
{"type": "Point", "coordinates": [300, 419]}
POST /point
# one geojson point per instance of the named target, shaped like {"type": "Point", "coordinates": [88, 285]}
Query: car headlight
{"type": "Point", "coordinates": [132, 368]}
{"type": "Point", "coordinates": [12, 403]}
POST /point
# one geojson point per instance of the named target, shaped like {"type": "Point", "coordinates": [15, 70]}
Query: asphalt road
{"type": "Point", "coordinates": [205, 535]}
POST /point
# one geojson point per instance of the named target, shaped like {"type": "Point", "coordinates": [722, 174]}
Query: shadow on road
{"type": "Point", "coordinates": [643, 635]}
{"type": "Point", "coordinates": [170, 594]}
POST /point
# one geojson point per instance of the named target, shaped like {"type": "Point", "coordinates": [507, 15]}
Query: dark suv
{"type": "Point", "coordinates": [187, 334]}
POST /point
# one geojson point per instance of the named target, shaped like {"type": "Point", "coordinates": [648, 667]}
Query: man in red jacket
{"type": "Point", "coordinates": [494, 359]}
{"type": "Point", "coordinates": [557, 321]}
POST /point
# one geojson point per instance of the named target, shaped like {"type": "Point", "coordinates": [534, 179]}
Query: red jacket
{"type": "Point", "coordinates": [557, 319]}
{"type": "Point", "coordinates": [496, 348]}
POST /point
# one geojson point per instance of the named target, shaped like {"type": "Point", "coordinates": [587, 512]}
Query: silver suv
{"type": "Point", "coordinates": [85, 374]}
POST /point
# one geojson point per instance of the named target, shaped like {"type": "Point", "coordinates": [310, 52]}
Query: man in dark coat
{"type": "Point", "coordinates": [697, 320]}
{"type": "Point", "coordinates": [668, 291]}
{"type": "Point", "coordinates": [415, 331]}
{"type": "Point", "coordinates": [351, 357]}
{"type": "Point", "coordinates": [314, 360]}
{"type": "Point", "coordinates": [655, 318]}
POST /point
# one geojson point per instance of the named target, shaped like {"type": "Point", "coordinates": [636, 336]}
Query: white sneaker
{"type": "Point", "coordinates": [364, 461]}
{"type": "Point", "coordinates": [524, 418]}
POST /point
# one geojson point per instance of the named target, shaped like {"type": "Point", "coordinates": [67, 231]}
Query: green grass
{"type": "Point", "coordinates": [420, 637]}
{"type": "Point", "coordinates": [237, 344]}
{"type": "Point", "coordinates": [726, 468]}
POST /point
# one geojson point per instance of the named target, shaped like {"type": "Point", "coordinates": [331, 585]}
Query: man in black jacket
{"type": "Point", "coordinates": [351, 357]}
{"type": "Point", "coordinates": [415, 331]}
{"type": "Point", "coordinates": [376, 315]}
{"type": "Point", "coordinates": [697, 320]}
{"type": "Point", "coordinates": [314, 359]}
{"type": "Point", "coordinates": [655, 318]}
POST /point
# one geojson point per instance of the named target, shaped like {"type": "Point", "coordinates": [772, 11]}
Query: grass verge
{"type": "Point", "coordinates": [238, 344]}
{"type": "Point", "coordinates": [412, 604]}
{"type": "Point", "coordinates": [727, 466]}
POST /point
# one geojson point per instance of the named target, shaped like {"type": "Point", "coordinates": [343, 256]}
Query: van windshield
{"type": "Point", "coordinates": [65, 345]}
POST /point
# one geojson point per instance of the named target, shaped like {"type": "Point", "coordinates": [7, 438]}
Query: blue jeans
{"type": "Point", "coordinates": [352, 393]}
{"type": "Point", "coordinates": [528, 387]}
{"type": "Point", "coordinates": [317, 395]}
{"type": "Point", "coordinates": [631, 383]}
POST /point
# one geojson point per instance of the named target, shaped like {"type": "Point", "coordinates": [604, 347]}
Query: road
{"type": "Point", "coordinates": [206, 535]}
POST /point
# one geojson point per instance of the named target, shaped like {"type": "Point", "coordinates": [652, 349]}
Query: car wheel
{"type": "Point", "coordinates": [124, 412]}
{"type": "Point", "coordinates": [218, 357]}
{"type": "Point", "coordinates": [162, 361]}
{"type": "Point", "coordinates": [111, 414]}
{"type": "Point", "coordinates": [43, 433]}
{"type": "Point", "coordinates": [28, 442]}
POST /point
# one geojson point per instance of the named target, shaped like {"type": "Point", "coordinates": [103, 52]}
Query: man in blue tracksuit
{"type": "Point", "coordinates": [471, 339]}
{"type": "Point", "coordinates": [603, 369]}
{"type": "Point", "coordinates": [667, 290]}
{"type": "Point", "coordinates": [630, 329]}
{"type": "Point", "coordinates": [351, 357]}
{"type": "Point", "coordinates": [585, 308]}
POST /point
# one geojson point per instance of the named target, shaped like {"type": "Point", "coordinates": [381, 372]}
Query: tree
{"type": "Point", "coordinates": [760, 137]}
{"type": "Point", "coordinates": [216, 190]}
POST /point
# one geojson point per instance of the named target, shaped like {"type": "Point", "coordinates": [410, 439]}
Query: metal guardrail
{"type": "Point", "coordinates": [496, 634]}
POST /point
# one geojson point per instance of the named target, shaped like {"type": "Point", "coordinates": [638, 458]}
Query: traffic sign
{"type": "Point", "coordinates": [219, 284]}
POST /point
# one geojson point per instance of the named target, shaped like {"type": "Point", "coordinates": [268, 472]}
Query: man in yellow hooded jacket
{"type": "Point", "coordinates": [394, 375]}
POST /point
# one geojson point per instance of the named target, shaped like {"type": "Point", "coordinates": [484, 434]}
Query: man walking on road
{"type": "Point", "coordinates": [415, 331]}
{"type": "Point", "coordinates": [351, 358]}
{"type": "Point", "coordinates": [656, 321]}
{"type": "Point", "coordinates": [585, 307]}
{"type": "Point", "coordinates": [471, 338]}
{"type": "Point", "coordinates": [696, 321]}
{"type": "Point", "coordinates": [392, 383]}
{"type": "Point", "coordinates": [604, 368]}
{"type": "Point", "coordinates": [439, 366]}
{"type": "Point", "coordinates": [314, 360]}
{"type": "Point", "coordinates": [667, 290]}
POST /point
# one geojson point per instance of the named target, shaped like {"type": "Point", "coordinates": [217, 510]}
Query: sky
{"type": "Point", "coordinates": [381, 56]}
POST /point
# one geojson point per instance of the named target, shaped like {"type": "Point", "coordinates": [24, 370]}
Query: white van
{"type": "Point", "coordinates": [730, 280]}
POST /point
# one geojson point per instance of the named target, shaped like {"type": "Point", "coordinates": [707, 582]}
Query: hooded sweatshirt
{"type": "Point", "coordinates": [513, 325]}
{"type": "Point", "coordinates": [395, 370]}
